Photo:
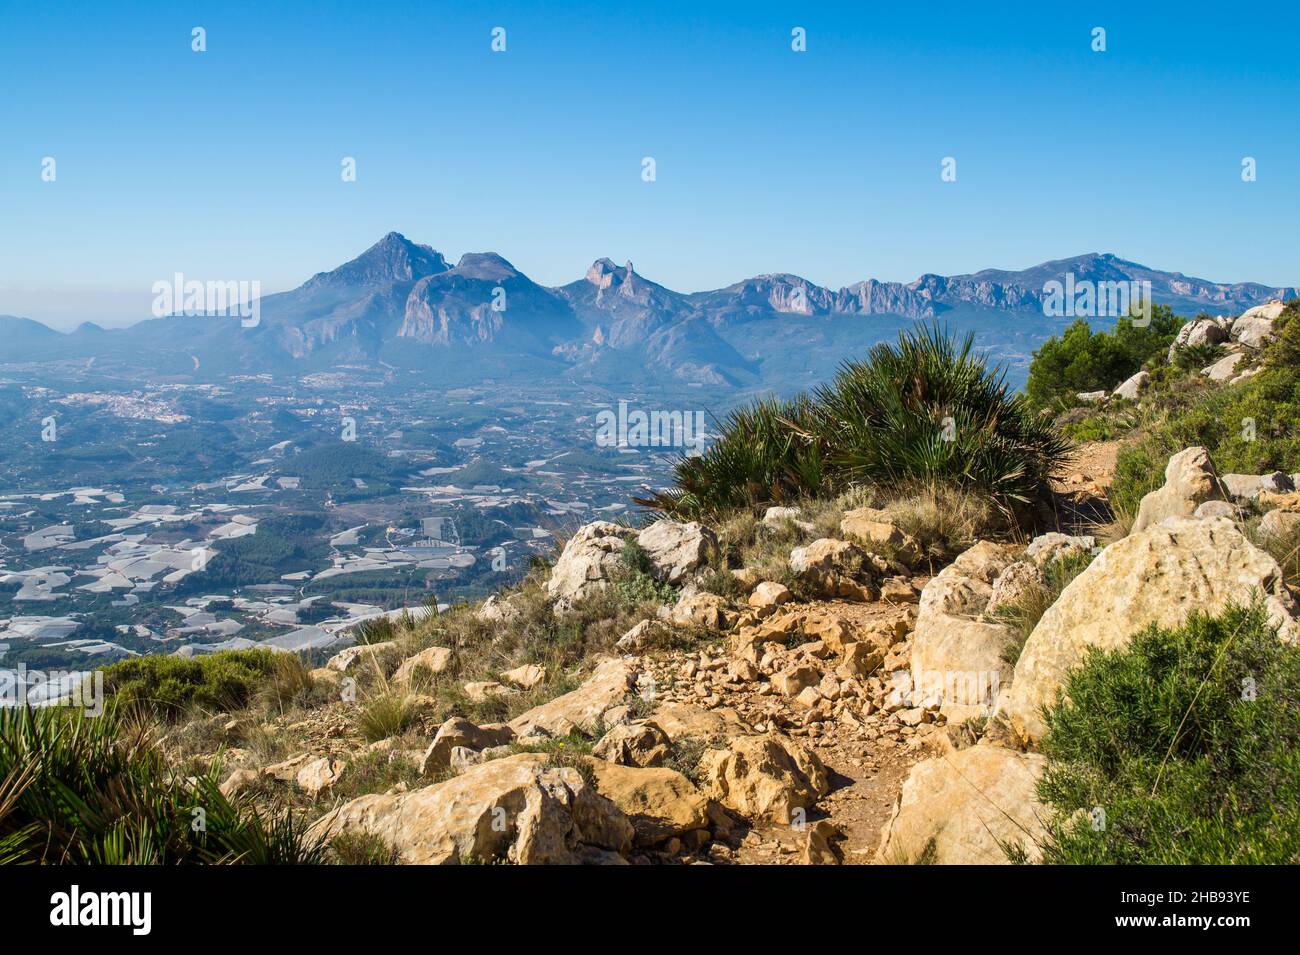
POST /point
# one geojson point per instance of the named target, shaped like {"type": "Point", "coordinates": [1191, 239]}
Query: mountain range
{"type": "Point", "coordinates": [404, 305]}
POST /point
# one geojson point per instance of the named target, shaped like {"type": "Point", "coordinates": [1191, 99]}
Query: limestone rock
{"type": "Point", "coordinates": [835, 568]}
{"type": "Point", "coordinates": [1154, 576]}
{"type": "Point", "coordinates": [764, 778]}
{"type": "Point", "coordinates": [639, 637]}
{"type": "Point", "coordinates": [524, 677]}
{"type": "Point", "coordinates": [517, 808]}
{"type": "Point", "coordinates": [1254, 327]}
{"type": "Point", "coordinates": [459, 731]}
{"type": "Point", "coordinates": [660, 803]}
{"type": "Point", "coordinates": [865, 525]}
{"type": "Point", "coordinates": [320, 774]}
{"type": "Point", "coordinates": [1046, 548]}
{"type": "Point", "coordinates": [677, 549]}
{"type": "Point", "coordinates": [498, 610]}
{"type": "Point", "coordinates": [434, 660]}
{"type": "Point", "coordinates": [1190, 480]}
{"type": "Point", "coordinates": [956, 657]}
{"type": "Point", "coordinates": [701, 610]}
{"type": "Point", "coordinates": [237, 782]}
{"type": "Point", "coordinates": [769, 595]}
{"type": "Point", "coordinates": [365, 658]}
{"type": "Point", "coordinates": [957, 808]}
{"type": "Point", "coordinates": [819, 844]}
{"type": "Point", "coordinates": [1018, 579]}
{"type": "Point", "coordinates": [1132, 387]}
{"type": "Point", "coordinates": [638, 743]}
{"type": "Point", "coordinates": [588, 562]}
{"type": "Point", "coordinates": [581, 709]}
{"type": "Point", "coordinates": [1279, 524]}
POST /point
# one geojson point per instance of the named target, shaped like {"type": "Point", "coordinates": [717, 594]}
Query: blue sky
{"type": "Point", "coordinates": [226, 164]}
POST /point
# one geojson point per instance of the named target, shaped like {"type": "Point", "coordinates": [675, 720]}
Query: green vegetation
{"type": "Point", "coordinates": [96, 790]}
{"type": "Point", "coordinates": [170, 686]}
{"type": "Point", "coordinates": [1186, 744]}
{"type": "Point", "coordinates": [1081, 360]}
{"type": "Point", "coordinates": [1252, 427]}
{"type": "Point", "coordinates": [926, 409]}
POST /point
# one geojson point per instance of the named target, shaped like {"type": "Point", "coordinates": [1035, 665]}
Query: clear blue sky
{"type": "Point", "coordinates": [226, 164]}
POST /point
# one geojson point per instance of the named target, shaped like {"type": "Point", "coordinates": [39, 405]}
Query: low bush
{"type": "Point", "coordinates": [169, 685]}
{"type": "Point", "coordinates": [1182, 748]}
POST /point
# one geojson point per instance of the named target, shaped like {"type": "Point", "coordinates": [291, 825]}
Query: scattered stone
{"type": "Point", "coordinates": [638, 743]}
{"type": "Point", "coordinates": [434, 660]}
{"type": "Point", "coordinates": [480, 691]}
{"type": "Point", "coordinates": [581, 709]}
{"type": "Point", "coordinates": [460, 732]}
{"type": "Point", "coordinates": [525, 677]}
{"type": "Point", "coordinates": [498, 610]}
{"type": "Point", "coordinates": [320, 774]}
{"type": "Point", "coordinates": [701, 610]}
{"type": "Point", "coordinates": [835, 568]}
{"type": "Point", "coordinates": [365, 657]}
{"type": "Point", "coordinates": [769, 595]}
{"type": "Point", "coordinates": [660, 803]}
{"type": "Point", "coordinates": [1045, 548]}
{"type": "Point", "coordinates": [819, 847]}
{"type": "Point", "coordinates": [864, 524]}
{"type": "Point", "coordinates": [764, 778]}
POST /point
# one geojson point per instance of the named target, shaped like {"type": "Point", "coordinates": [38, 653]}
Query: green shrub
{"type": "Point", "coordinates": [96, 790]}
{"type": "Point", "coordinates": [1187, 741]}
{"type": "Point", "coordinates": [171, 685]}
{"type": "Point", "coordinates": [1252, 427]}
{"type": "Point", "coordinates": [925, 409]}
{"type": "Point", "coordinates": [1081, 360]}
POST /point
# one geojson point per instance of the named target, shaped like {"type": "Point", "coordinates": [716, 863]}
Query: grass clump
{"type": "Point", "coordinates": [386, 714]}
{"type": "Point", "coordinates": [1187, 740]}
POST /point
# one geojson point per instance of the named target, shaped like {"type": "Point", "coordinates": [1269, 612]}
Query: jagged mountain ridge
{"type": "Point", "coordinates": [404, 303]}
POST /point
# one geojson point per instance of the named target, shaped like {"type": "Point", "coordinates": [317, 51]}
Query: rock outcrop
{"type": "Point", "coordinates": [588, 562]}
{"type": "Point", "coordinates": [957, 656]}
{"type": "Point", "coordinates": [581, 709]}
{"type": "Point", "coordinates": [675, 550]}
{"type": "Point", "coordinates": [1154, 576]}
{"type": "Point", "coordinates": [1190, 480]}
{"type": "Point", "coordinates": [959, 808]}
{"type": "Point", "coordinates": [517, 809]}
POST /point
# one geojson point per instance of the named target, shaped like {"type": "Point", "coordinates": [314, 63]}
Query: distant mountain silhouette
{"type": "Point", "coordinates": [400, 304]}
